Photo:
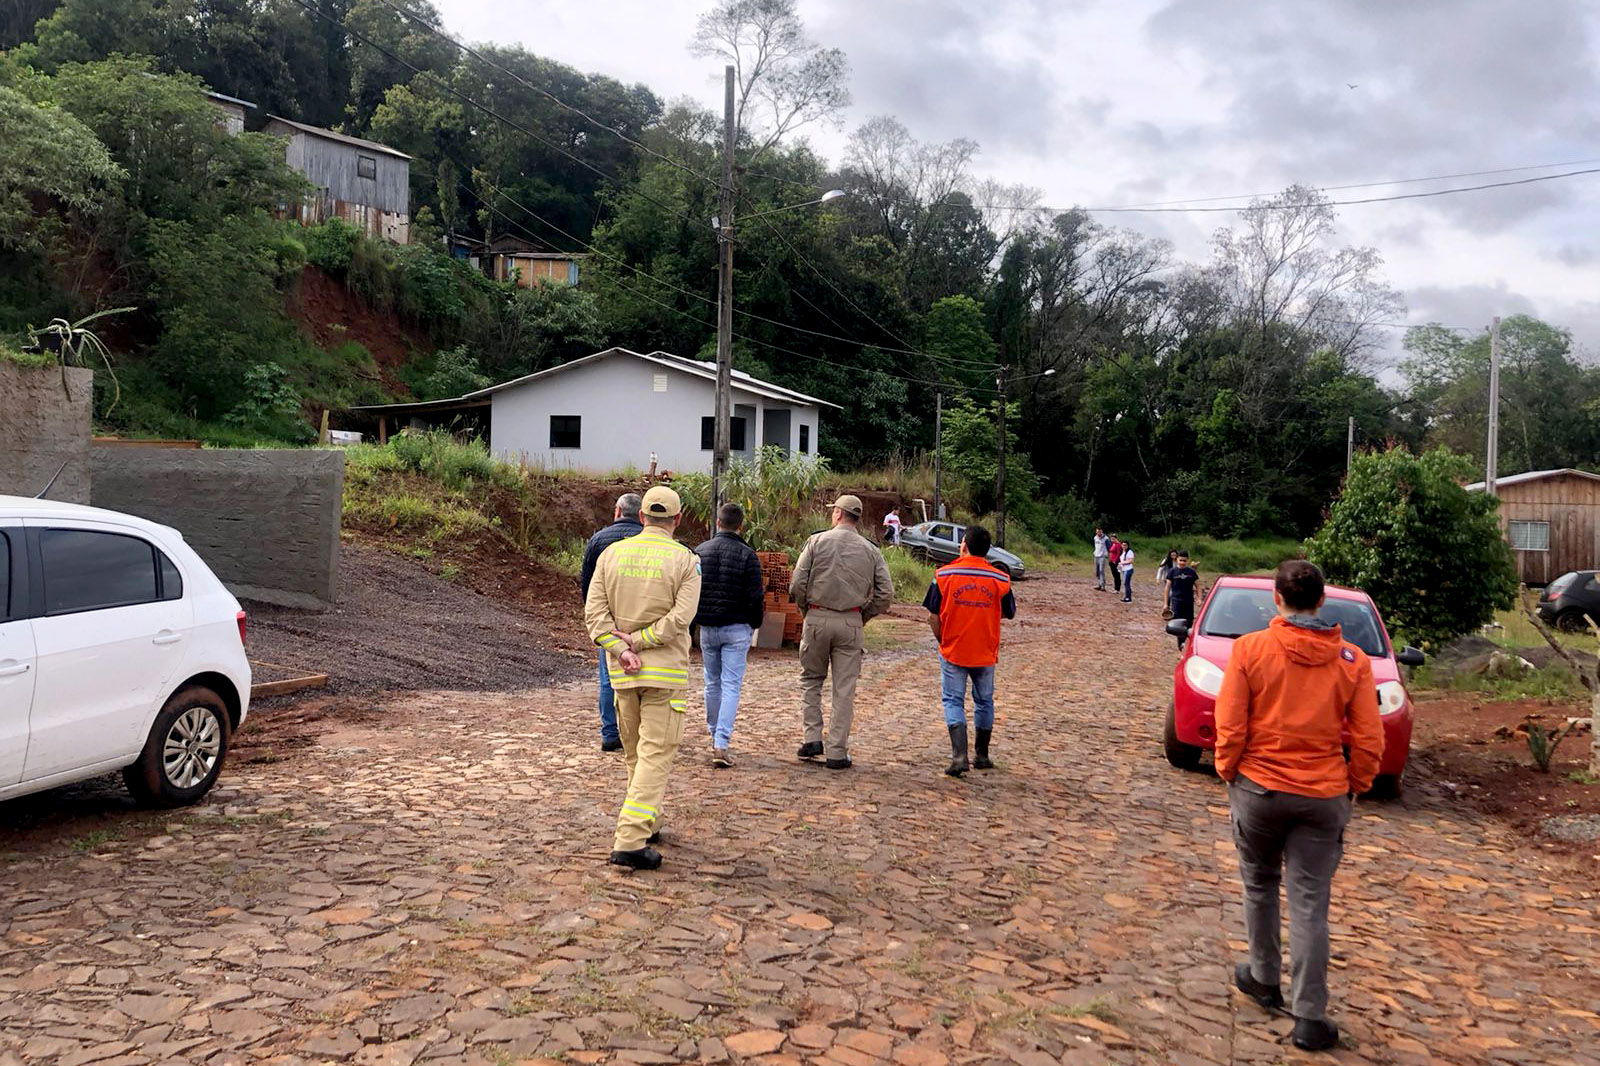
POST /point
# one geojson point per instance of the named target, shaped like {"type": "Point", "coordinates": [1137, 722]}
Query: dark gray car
{"type": "Point", "coordinates": [1571, 600]}
{"type": "Point", "coordinates": [940, 542]}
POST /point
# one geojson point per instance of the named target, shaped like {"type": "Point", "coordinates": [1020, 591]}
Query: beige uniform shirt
{"type": "Point", "coordinates": [840, 570]}
{"type": "Point", "coordinates": [647, 586]}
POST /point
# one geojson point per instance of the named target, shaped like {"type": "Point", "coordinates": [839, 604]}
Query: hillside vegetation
{"type": "Point", "coordinates": [1141, 391]}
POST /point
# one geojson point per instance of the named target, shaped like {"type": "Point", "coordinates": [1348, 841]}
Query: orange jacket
{"type": "Point", "coordinates": [1287, 697]}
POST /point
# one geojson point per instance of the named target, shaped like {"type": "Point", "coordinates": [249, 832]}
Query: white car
{"type": "Point", "coordinates": [119, 650]}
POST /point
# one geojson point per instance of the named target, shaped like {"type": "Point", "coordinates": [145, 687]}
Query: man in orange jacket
{"type": "Point", "coordinates": [1289, 694]}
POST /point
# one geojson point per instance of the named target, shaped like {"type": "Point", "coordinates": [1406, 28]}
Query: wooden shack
{"type": "Point", "coordinates": [363, 182]}
{"type": "Point", "coordinates": [1552, 520]}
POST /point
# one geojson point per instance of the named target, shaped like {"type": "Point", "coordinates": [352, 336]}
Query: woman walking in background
{"type": "Point", "coordinates": [1126, 565]}
{"type": "Point", "coordinates": [1161, 580]}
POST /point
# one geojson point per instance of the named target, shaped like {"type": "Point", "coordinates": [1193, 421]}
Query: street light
{"type": "Point", "coordinates": [1000, 446]}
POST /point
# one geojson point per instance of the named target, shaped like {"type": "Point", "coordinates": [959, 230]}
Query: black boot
{"type": "Point", "coordinates": [958, 750]}
{"type": "Point", "coordinates": [982, 761]}
{"type": "Point", "coordinates": [639, 859]}
{"type": "Point", "coordinates": [1311, 1034]}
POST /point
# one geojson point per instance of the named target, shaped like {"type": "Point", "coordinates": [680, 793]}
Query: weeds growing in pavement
{"type": "Point", "coordinates": [97, 838]}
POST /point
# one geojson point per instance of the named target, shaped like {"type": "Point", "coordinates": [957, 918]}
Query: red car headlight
{"type": "Point", "coordinates": [1203, 675]}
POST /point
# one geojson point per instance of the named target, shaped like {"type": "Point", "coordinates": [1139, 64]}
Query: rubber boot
{"type": "Point", "coordinates": [958, 750]}
{"type": "Point", "coordinates": [982, 761]}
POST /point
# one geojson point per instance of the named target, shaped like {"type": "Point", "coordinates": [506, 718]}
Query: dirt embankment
{"type": "Point", "coordinates": [330, 314]}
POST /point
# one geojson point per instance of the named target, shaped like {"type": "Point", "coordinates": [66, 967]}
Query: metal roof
{"type": "Point", "coordinates": [741, 381]}
{"type": "Point", "coordinates": [318, 131]}
{"type": "Point", "coordinates": [225, 98]}
{"type": "Point", "coordinates": [1533, 475]}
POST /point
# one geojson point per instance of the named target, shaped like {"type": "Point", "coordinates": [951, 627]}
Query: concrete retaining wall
{"type": "Point", "coordinates": [267, 522]}
{"type": "Point", "coordinates": [42, 426]}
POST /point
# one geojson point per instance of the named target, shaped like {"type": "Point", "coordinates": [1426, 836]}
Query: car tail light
{"type": "Point", "coordinates": [1203, 675]}
{"type": "Point", "coordinates": [1391, 697]}
{"type": "Point", "coordinates": [243, 625]}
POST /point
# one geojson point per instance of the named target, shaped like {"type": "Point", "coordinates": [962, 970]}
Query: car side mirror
{"type": "Point", "coordinates": [1409, 656]}
{"type": "Point", "coordinates": [1178, 627]}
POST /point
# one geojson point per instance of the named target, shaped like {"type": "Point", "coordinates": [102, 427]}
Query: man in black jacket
{"type": "Point", "coordinates": [731, 590]}
{"type": "Point", "coordinates": [625, 523]}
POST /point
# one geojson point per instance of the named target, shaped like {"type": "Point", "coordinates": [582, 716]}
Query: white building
{"type": "Point", "coordinates": [614, 409]}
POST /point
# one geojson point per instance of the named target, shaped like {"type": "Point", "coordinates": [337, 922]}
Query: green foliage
{"type": "Point", "coordinates": [1429, 553]}
{"type": "Point", "coordinates": [970, 454]}
{"type": "Point", "coordinates": [1554, 681]}
{"type": "Point", "coordinates": [455, 373]}
{"type": "Point", "coordinates": [1542, 744]}
{"type": "Point", "coordinates": [453, 463]}
{"type": "Point", "coordinates": [911, 577]}
{"type": "Point", "coordinates": [270, 406]}
{"type": "Point", "coordinates": [47, 151]}
{"type": "Point", "coordinates": [332, 246]}
{"type": "Point", "coordinates": [775, 490]}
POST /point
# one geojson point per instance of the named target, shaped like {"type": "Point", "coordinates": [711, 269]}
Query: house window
{"type": "Point", "coordinates": [366, 166]}
{"type": "Point", "coordinates": [566, 431]}
{"type": "Point", "coordinates": [708, 434]}
{"type": "Point", "coordinates": [805, 439]}
{"type": "Point", "coordinates": [661, 383]}
{"type": "Point", "coordinates": [1529, 536]}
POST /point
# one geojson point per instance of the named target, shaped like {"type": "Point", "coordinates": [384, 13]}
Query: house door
{"type": "Point", "coordinates": [775, 429]}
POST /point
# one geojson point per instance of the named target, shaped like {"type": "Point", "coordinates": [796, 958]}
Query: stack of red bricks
{"type": "Point", "coordinates": [777, 573]}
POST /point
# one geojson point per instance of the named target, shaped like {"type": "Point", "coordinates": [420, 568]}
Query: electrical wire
{"type": "Point", "coordinates": [438, 32]}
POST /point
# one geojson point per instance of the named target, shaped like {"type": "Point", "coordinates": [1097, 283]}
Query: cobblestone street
{"type": "Point", "coordinates": [424, 881]}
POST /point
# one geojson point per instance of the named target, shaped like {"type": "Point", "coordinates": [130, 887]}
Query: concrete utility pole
{"type": "Point", "coordinates": [938, 454]}
{"type": "Point", "coordinates": [1350, 445]}
{"type": "Point", "coordinates": [1492, 463]}
{"type": "Point", "coordinates": [723, 427]}
{"type": "Point", "coordinates": [1000, 455]}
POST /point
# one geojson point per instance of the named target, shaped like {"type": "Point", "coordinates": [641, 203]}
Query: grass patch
{"type": "Point", "coordinates": [97, 838]}
{"type": "Point", "coordinates": [568, 556]}
{"type": "Point", "coordinates": [414, 513]}
{"type": "Point", "coordinates": [911, 578]}
{"type": "Point", "coordinates": [1555, 681]}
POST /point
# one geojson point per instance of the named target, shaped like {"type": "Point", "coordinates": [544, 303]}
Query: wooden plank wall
{"type": "Point", "coordinates": [1571, 505]}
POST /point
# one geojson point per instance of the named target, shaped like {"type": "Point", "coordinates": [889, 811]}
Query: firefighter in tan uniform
{"type": "Point", "coordinates": [841, 582]}
{"type": "Point", "coordinates": [641, 602]}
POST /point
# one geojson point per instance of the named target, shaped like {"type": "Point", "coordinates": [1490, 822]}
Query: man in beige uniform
{"type": "Point", "coordinates": [643, 596]}
{"type": "Point", "coordinates": [841, 582]}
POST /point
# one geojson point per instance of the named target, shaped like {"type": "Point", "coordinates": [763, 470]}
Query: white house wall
{"type": "Point", "coordinates": [623, 418]}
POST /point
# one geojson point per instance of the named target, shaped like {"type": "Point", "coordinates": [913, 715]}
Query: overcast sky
{"type": "Point", "coordinates": [1113, 102]}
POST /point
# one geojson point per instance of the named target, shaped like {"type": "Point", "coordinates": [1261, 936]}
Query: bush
{"type": "Point", "coordinates": [1429, 552]}
{"type": "Point", "coordinates": [332, 246]}
{"type": "Point", "coordinates": [454, 464]}
{"type": "Point", "coordinates": [776, 492]}
{"type": "Point", "coordinates": [911, 577]}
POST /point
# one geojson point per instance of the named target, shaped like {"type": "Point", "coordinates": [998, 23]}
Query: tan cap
{"type": "Point", "coordinates": [660, 502]}
{"type": "Point", "coordinates": [850, 505]}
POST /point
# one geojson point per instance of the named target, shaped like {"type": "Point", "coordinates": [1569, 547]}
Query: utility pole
{"type": "Point", "coordinates": [1350, 445]}
{"type": "Point", "coordinates": [723, 427]}
{"type": "Point", "coordinates": [1000, 457]}
{"type": "Point", "coordinates": [938, 454]}
{"type": "Point", "coordinates": [1492, 464]}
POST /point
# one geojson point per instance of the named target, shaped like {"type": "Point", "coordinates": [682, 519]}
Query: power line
{"type": "Point", "coordinates": [443, 36]}
{"type": "Point", "coordinates": [486, 109]}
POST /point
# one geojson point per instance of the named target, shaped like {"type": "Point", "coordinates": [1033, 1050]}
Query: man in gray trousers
{"type": "Point", "coordinates": [1289, 693]}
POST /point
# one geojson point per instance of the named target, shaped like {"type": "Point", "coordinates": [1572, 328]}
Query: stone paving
{"type": "Point", "coordinates": [427, 885]}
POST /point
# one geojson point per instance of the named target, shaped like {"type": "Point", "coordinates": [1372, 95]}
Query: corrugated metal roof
{"type": "Point", "coordinates": [344, 138]}
{"type": "Point", "coordinates": [1533, 475]}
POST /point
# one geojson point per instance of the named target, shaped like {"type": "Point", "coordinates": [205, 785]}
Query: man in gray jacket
{"type": "Point", "coordinates": [841, 582]}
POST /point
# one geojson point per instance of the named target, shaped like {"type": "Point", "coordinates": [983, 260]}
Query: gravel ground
{"type": "Point", "coordinates": [398, 627]}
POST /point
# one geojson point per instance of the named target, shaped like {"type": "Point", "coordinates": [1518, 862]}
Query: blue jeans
{"type": "Point", "coordinates": [725, 651]}
{"type": "Point", "coordinates": [953, 692]}
{"type": "Point", "coordinates": [608, 705]}
{"type": "Point", "coordinates": [1100, 571]}
{"type": "Point", "coordinates": [1127, 586]}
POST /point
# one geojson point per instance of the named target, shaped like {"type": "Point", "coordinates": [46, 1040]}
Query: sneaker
{"type": "Point", "coordinates": [643, 859]}
{"type": "Point", "coordinates": [840, 764]}
{"type": "Point", "coordinates": [1313, 1034]}
{"type": "Point", "coordinates": [810, 749]}
{"type": "Point", "coordinates": [1268, 996]}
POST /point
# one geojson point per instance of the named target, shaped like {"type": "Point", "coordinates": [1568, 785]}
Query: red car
{"type": "Point", "coordinates": [1240, 605]}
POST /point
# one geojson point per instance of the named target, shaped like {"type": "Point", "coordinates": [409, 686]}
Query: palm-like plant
{"type": "Point", "coordinates": [75, 345]}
